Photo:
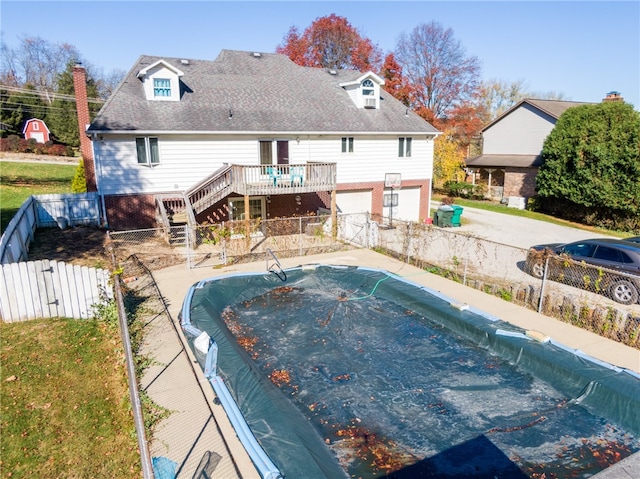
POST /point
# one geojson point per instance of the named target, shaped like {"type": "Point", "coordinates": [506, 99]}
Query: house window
{"type": "Point", "coordinates": [347, 144]}
{"type": "Point", "coordinates": [147, 150]}
{"type": "Point", "coordinates": [36, 127]}
{"type": "Point", "coordinates": [236, 206]}
{"type": "Point", "coordinates": [404, 147]}
{"type": "Point", "coordinates": [266, 152]}
{"type": "Point", "coordinates": [161, 87]}
{"type": "Point", "coordinates": [367, 88]}
{"type": "Point", "coordinates": [368, 94]}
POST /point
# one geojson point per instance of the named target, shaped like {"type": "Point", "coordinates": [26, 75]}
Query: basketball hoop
{"type": "Point", "coordinates": [392, 180]}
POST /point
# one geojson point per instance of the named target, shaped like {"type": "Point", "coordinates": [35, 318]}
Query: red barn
{"type": "Point", "coordinates": [36, 129]}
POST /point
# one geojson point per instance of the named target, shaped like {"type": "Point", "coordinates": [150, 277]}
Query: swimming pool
{"type": "Point", "coordinates": [347, 371]}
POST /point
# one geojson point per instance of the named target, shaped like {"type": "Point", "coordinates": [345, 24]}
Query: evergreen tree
{"type": "Point", "coordinates": [18, 107]}
{"type": "Point", "coordinates": [591, 166]}
{"type": "Point", "coordinates": [62, 118]}
{"type": "Point", "coordinates": [79, 182]}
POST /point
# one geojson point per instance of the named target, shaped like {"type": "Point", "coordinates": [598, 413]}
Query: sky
{"type": "Point", "coordinates": [579, 49]}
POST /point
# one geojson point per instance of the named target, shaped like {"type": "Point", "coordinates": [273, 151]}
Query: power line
{"type": "Point", "coordinates": [54, 96]}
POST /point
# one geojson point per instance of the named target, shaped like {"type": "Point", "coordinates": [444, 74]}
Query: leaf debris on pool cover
{"type": "Point", "coordinates": [388, 392]}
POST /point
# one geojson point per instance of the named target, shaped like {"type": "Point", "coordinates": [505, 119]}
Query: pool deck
{"type": "Point", "coordinates": [198, 425]}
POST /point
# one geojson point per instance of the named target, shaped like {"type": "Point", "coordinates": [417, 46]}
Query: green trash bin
{"type": "Point", "coordinates": [457, 213]}
{"type": "Point", "coordinates": [444, 216]}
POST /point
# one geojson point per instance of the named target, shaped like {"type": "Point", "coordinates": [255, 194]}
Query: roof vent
{"type": "Point", "coordinates": [257, 54]}
{"type": "Point", "coordinates": [184, 61]}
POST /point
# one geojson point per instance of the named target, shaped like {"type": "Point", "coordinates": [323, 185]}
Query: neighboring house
{"type": "Point", "coordinates": [35, 129]}
{"type": "Point", "coordinates": [512, 147]}
{"type": "Point", "coordinates": [254, 135]}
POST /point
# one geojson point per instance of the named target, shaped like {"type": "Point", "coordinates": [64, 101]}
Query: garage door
{"type": "Point", "coordinates": [354, 201]}
{"type": "Point", "coordinates": [408, 208]}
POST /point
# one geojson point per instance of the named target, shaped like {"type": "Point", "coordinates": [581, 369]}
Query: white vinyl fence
{"type": "Point", "coordinates": [49, 289]}
{"type": "Point", "coordinates": [42, 211]}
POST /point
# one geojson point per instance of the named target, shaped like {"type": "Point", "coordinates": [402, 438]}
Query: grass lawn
{"type": "Point", "coordinates": [65, 401]}
{"type": "Point", "coordinates": [22, 179]}
{"type": "Point", "coordinates": [64, 395]}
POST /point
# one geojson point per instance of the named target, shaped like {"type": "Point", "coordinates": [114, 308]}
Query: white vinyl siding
{"type": "Point", "coordinates": [522, 132]}
{"type": "Point", "coordinates": [186, 160]}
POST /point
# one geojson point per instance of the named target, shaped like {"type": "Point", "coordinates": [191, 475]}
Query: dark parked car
{"type": "Point", "coordinates": [591, 264]}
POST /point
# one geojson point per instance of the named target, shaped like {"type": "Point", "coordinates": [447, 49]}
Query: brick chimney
{"type": "Point", "coordinates": [82, 107]}
{"type": "Point", "coordinates": [613, 96]}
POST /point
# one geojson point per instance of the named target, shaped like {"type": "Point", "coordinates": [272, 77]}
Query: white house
{"type": "Point", "coordinates": [255, 134]}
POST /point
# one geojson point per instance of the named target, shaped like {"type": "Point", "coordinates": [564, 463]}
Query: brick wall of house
{"type": "Point", "coordinates": [520, 182]}
{"type": "Point", "coordinates": [139, 211]}
{"type": "Point", "coordinates": [125, 212]}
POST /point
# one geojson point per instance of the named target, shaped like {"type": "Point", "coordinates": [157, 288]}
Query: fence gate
{"type": "Point", "coordinates": [49, 289]}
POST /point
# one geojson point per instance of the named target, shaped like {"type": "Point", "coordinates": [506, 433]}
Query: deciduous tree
{"type": "Point", "coordinates": [331, 42]}
{"type": "Point", "coordinates": [441, 74]}
{"type": "Point", "coordinates": [448, 159]}
{"type": "Point", "coordinates": [36, 62]}
{"type": "Point", "coordinates": [497, 96]}
{"type": "Point", "coordinates": [394, 82]}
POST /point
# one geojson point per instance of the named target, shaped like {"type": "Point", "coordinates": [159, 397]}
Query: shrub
{"type": "Point", "coordinates": [11, 143]}
{"type": "Point", "coordinates": [79, 182]}
{"type": "Point", "coordinates": [463, 190]}
{"type": "Point", "coordinates": [16, 144]}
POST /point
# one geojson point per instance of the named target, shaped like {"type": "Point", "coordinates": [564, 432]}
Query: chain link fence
{"type": "Point", "coordinates": [230, 242]}
{"type": "Point", "coordinates": [589, 297]}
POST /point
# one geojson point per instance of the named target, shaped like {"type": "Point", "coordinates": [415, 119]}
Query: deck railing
{"type": "Point", "coordinates": [283, 179]}
{"type": "Point", "coordinates": [245, 180]}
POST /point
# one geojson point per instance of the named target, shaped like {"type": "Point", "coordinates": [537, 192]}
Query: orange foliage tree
{"type": "Point", "coordinates": [331, 42]}
{"type": "Point", "coordinates": [394, 82]}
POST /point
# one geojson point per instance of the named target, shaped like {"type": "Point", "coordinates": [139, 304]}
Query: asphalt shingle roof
{"type": "Point", "coordinates": [266, 93]}
{"type": "Point", "coordinates": [517, 161]}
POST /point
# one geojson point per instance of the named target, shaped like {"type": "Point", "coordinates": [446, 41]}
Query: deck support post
{"type": "Point", "coordinates": [247, 221]}
{"type": "Point", "coordinates": [334, 215]}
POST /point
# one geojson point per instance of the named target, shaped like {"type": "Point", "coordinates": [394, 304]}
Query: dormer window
{"type": "Point", "coordinates": [161, 81]}
{"type": "Point", "coordinates": [365, 91]}
{"type": "Point", "coordinates": [368, 94]}
{"type": "Point", "coordinates": [161, 87]}
{"type": "Point", "coordinates": [367, 88]}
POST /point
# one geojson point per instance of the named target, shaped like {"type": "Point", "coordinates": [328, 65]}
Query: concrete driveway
{"type": "Point", "coordinates": [517, 231]}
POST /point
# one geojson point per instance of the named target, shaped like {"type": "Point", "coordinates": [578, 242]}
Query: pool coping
{"type": "Point", "coordinates": [174, 283]}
